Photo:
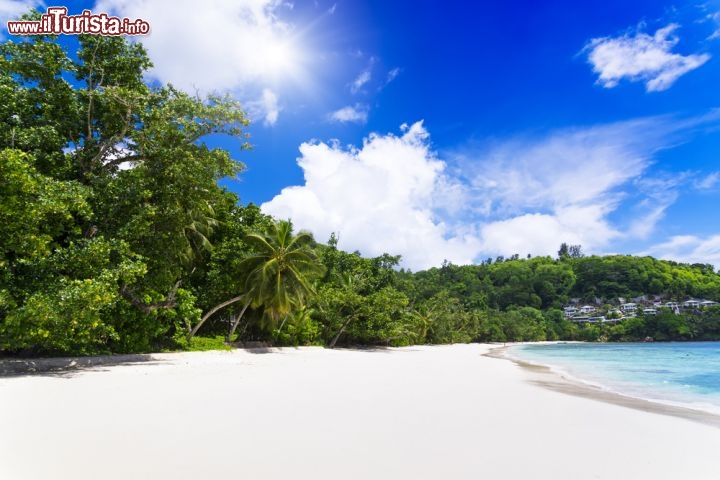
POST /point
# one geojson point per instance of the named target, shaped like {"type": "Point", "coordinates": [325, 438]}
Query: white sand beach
{"type": "Point", "coordinates": [444, 412]}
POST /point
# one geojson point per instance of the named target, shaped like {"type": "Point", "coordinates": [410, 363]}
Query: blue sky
{"type": "Point", "coordinates": [439, 130]}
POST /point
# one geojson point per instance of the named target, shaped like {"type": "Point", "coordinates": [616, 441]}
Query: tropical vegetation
{"type": "Point", "coordinates": [116, 237]}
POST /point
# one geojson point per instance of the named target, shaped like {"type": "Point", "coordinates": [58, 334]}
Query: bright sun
{"type": "Point", "coordinates": [281, 59]}
{"type": "Point", "coordinates": [278, 57]}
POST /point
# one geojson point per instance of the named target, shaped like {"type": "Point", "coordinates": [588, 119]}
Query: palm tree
{"type": "Point", "coordinates": [279, 274]}
{"type": "Point", "coordinates": [200, 226]}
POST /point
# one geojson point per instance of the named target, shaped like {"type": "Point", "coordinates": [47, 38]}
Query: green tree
{"type": "Point", "coordinates": [380, 317]}
{"type": "Point", "coordinates": [278, 274]}
{"type": "Point", "coordinates": [111, 174]}
{"type": "Point", "coordinates": [445, 320]}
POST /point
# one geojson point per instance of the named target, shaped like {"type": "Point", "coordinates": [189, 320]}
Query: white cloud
{"type": "Point", "coordinates": [266, 107]}
{"type": "Point", "coordinates": [688, 249]}
{"type": "Point", "coordinates": [715, 17]}
{"type": "Point", "coordinates": [13, 9]}
{"type": "Point", "coordinates": [641, 57]}
{"type": "Point", "coordinates": [708, 182]}
{"type": "Point", "coordinates": [542, 234]}
{"type": "Point", "coordinates": [360, 81]}
{"type": "Point", "coordinates": [392, 75]}
{"type": "Point", "coordinates": [522, 195]}
{"type": "Point", "coordinates": [221, 45]}
{"type": "Point", "coordinates": [528, 195]}
{"type": "Point", "coordinates": [378, 198]}
{"type": "Point", "coordinates": [660, 192]}
{"type": "Point", "coordinates": [356, 114]}
{"type": "Point", "coordinates": [566, 167]}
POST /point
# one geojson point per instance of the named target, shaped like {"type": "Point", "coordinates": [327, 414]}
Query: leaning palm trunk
{"type": "Point", "coordinates": [209, 314]}
{"type": "Point", "coordinates": [278, 272]}
{"type": "Point", "coordinates": [283, 322]}
{"type": "Point", "coordinates": [236, 322]}
{"type": "Point", "coordinates": [342, 330]}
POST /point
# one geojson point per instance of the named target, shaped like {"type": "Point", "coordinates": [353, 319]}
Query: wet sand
{"type": "Point", "coordinates": [545, 377]}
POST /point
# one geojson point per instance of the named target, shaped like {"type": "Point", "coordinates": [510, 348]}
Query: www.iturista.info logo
{"type": "Point", "coordinates": [56, 22]}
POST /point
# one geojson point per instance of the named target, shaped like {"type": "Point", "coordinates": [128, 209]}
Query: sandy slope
{"type": "Point", "coordinates": [420, 412]}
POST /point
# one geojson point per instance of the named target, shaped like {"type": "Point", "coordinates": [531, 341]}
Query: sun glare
{"type": "Point", "coordinates": [279, 57]}
{"type": "Point", "coordinates": [282, 60]}
{"type": "Point", "coordinates": [283, 56]}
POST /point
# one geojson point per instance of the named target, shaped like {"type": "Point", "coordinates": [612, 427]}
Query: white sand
{"type": "Point", "coordinates": [416, 413]}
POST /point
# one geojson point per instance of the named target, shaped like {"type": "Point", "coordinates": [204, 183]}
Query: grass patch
{"type": "Point", "coordinates": [202, 344]}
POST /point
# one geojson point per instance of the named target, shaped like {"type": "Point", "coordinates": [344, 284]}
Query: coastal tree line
{"type": "Point", "coordinates": [116, 237]}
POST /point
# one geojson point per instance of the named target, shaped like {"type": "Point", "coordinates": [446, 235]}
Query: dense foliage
{"type": "Point", "coordinates": [116, 237]}
{"type": "Point", "coordinates": [107, 197]}
{"type": "Point", "coordinates": [523, 299]}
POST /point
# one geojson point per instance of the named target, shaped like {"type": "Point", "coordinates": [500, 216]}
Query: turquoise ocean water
{"type": "Point", "coordinates": [686, 374]}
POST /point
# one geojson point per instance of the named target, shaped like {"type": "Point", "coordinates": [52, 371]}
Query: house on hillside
{"type": "Point", "coordinates": [587, 309]}
{"type": "Point", "coordinates": [649, 311]}
{"type": "Point", "coordinates": [597, 319]}
{"type": "Point", "coordinates": [674, 306]}
{"type": "Point", "coordinates": [692, 303]}
{"type": "Point", "coordinates": [628, 308]}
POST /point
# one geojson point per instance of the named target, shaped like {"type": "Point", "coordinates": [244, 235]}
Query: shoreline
{"type": "Point", "coordinates": [423, 412]}
{"type": "Point", "coordinates": [546, 377]}
{"type": "Point", "coordinates": [538, 374]}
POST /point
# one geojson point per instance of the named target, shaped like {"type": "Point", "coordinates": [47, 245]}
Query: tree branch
{"type": "Point", "coordinates": [115, 139]}
{"type": "Point", "coordinates": [170, 302]}
{"type": "Point", "coordinates": [213, 310]}
{"type": "Point", "coordinates": [119, 161]}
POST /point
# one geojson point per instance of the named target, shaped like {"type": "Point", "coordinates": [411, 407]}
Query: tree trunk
{"type": "Point", "coordinates": [283, 322]}
{"type": "Point", "coordinates": [236, 322]}
{"type": "Point", "coordinates": [209, 314]}
{"type": "Point", "coordinates": [342, 329]}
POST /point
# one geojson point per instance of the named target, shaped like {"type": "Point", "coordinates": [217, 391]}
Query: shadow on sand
{"type": "Point", "coordinates": [68, 366]}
